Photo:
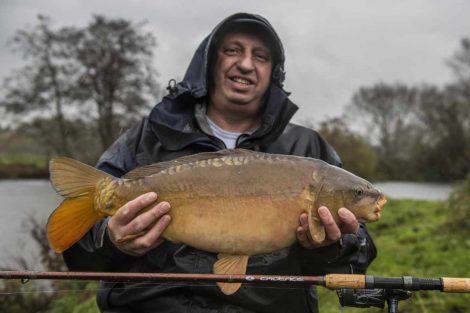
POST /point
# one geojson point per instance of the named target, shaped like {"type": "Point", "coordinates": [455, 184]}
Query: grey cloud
{"type": "Point", "coordinates": [332, 47]}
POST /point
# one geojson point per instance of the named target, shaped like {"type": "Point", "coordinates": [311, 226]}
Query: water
{"type": "Point", "coordinates": [22, 199]}
{"type": "Point", "coordinates": [19, 201]}
{"type": "Point", "coordinates": [418, 191]}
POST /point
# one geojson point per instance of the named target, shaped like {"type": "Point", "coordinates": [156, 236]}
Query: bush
{"type": "Point", "coordinates": [43, 295]}
{"type": "Point", "coordinates": [459, 207]}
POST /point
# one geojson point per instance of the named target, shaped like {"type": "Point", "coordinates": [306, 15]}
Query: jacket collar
{"type": "Point", "coordinates": [173, 121]}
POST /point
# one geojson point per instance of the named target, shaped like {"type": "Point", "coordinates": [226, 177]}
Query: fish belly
{"type": "Point", "coordinates": [235, 225]}
{"type": "Point", "coordinates": [245, 209]}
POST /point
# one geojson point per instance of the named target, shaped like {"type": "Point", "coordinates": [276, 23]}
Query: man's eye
{"type": "Point", "coordinates": [231, 51]}
{"type": "Point", "coordinates": [262, 57]}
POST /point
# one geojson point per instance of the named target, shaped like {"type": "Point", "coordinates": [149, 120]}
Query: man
{"type": "Point", "coordinates": [231, 96]}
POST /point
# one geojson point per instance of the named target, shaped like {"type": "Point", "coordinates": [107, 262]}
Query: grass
{"type": "Point", "coordinates": [23, 165]}
{"type": "Point", "coordinates": [413, 239]}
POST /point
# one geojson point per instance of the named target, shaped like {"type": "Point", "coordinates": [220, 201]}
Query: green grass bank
{"type": "Point", "coordinates": [416, 238]}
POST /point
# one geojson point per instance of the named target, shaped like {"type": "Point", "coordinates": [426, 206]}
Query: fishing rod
{"type": "Point", "coordinates": [331, 281]}
{"type": "Point", "coordinates": [353, 290]}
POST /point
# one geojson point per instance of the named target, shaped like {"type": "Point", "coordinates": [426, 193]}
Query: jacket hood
{"type": "Point", "coordinates": [196, 79]}
{"type": "Point", "coordinates": [174, 115]}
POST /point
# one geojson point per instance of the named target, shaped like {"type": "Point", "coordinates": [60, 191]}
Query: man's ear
{"type": "Point", "coordinates": [278, 75]}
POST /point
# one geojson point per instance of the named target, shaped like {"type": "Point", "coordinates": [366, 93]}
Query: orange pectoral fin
{"type": "Point", "coordinates": [317, 230]}
{"type": "Point", "coordinates": [70, 221]}
{"type": "Point", "coordinates": [230, 264]}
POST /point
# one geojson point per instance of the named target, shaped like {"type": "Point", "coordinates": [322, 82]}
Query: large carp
{"type": "Point", "coordinates": [236, 203]}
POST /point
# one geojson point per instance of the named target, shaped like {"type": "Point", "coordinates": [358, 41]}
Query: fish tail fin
{"type": "Point", "coordinates": [72, 178]}
{"type": "Point", "coordinates": [76, 214]}
{"type": "Point", "coordinates": [70, 222]}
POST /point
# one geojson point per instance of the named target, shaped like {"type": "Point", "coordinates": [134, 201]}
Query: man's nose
{"type": "Point", "coordinates": [246, 63]}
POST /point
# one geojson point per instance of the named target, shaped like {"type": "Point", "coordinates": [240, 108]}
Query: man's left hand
{"type": "Point", "coordinates": [350, 225]}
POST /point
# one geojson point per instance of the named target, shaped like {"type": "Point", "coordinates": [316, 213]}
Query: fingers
{"type": "Point", "coordinates": [142, 244]}
{"type": "Point", "coordinates": [303, 234]}
{"type": "Point", "coordinates": [349, 220]}
{"type": "Point", "coordinates": [127, 213]}
{"type": "Point", "coordinates": [137, 226]}
{"type": "Point", "coordinates": [142, 221]}
{"type": "Point", "coordinates": [333, 233]}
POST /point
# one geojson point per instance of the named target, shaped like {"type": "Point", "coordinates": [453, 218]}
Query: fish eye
{"type": "Point", "coordinates": [358, 192]}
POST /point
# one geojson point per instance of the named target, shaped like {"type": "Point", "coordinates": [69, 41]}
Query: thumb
{"type": "Point", "coordinates": [349, 220]}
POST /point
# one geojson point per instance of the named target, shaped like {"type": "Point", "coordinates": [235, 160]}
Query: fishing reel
{"type": "Point", "coordinates": [365, 298]}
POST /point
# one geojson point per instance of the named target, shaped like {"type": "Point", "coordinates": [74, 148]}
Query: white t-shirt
{"type": "Point", "coordinates": [229, 138]}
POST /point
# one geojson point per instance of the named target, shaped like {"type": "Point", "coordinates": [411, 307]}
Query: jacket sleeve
{"type": "Point", "coordinates": [352, 254]}
{"type": "Point", "coordinates": [95, 252]}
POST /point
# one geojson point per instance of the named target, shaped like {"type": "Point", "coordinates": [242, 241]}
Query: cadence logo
{"type": "Point", "coordinates": [281, 278]}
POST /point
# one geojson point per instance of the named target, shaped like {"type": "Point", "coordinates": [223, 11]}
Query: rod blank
{"type": "Point", "coordinates": [331, 281]}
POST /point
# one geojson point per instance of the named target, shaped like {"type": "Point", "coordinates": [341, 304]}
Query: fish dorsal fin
{"type": "Point", "coordinates": [230, 264]}
{"type": "Point", "coordinates": [151, 169]}
{"type": "Point", "coordinates": [148, 170]}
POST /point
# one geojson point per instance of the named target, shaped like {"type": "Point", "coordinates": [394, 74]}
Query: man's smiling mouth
{"type": "Point", "coordinates": [241, 80]}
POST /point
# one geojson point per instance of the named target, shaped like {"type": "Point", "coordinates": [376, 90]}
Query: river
{"type": "Point", "coordinates": [22, 199]}
{"type": "Point", "coordinates": [19, 201]}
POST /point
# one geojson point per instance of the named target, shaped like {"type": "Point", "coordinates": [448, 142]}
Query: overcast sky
{"type": "Point", "coordinates": [332, 47]}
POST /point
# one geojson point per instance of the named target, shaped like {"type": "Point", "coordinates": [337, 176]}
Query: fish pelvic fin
{"type": "Point", "coordinates": [230, 264]}
{"type": "Point", "coordinates": [70, 221]}
{"type": "Point", "coordinates": [77, 182]}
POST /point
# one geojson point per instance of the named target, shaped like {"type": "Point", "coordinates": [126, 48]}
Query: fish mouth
{"type": "Point", "coordinates": [377, 212]}
{"type": "Point", "coordinates": [378, 206]}
{"type": "Point", "coordinates": [381, 201]}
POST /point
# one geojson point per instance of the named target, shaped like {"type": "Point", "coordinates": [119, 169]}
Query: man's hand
{"type": "Point", "coordinates": [146, 227]}
{"type": "Point", "coordinates": [350, 225]}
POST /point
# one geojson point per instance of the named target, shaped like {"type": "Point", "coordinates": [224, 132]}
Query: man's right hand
{"type": "Point", "coordinates": [129, 221]}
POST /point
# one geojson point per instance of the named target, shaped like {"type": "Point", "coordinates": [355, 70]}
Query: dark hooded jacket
{"type": "Point", "coordinates": [174, 128]}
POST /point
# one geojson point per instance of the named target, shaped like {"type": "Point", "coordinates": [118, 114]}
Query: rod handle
{"type": "Point", "coordinates": [338, 281]}
{"type": "Point", "coordinates": [455, 284]}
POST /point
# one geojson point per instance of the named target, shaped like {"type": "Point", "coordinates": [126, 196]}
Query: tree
{"type": "Point", "coordinates": [102, 72]}
{"type": "Point", "coordinates": [445, 120]}
{"type": "Point", "coordinates": [42, 86]}
{"type": "Point", "coordinates": [116, 73]}
{"type": "Point", "coordinates": [423, 132]}
{"type": "Point", "coordinates": [460, 62]}
{"type": "Point", "coordinates": [385, 110]}
{"type": "Point", "coordinates": [443, 151]}
{"type": "Point", "coordinates": [356, 154]}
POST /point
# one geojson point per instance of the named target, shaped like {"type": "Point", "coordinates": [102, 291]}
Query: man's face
{"type": "Point", "coordinates": [242, 72]}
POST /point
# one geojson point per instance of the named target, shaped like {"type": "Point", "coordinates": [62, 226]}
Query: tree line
{"type": "Point", "coordinates": [403, 132]}
{"type": "Point", "coordinates": [81, 86]}
{"type": "Point", "coordinates": [416, 132]}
